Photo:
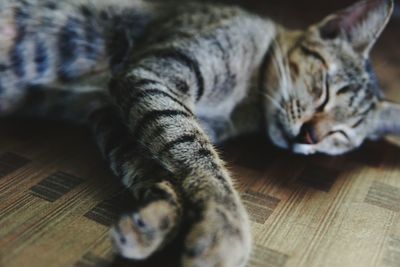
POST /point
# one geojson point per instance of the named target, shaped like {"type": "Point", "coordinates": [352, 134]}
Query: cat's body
{"type": "Point", "coordinates": [225, 44]}
{"type": "Point", "coordinates": [159, 84]}
{"type": "Point", "coordinates": [229, 47]}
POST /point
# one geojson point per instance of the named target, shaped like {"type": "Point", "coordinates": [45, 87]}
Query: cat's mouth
{"type": "Point", "coordinates": [305, 143]}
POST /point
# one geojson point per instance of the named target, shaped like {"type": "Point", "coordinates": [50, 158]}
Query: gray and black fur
{"type": "Point", "coordinates": [159, 84]}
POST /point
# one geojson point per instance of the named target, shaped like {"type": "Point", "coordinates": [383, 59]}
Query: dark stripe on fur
{"type": "Point", "coordinates": [17, 57]}
{"type": "Point", "coordinates": [312, 53]}
{"type": "Point", "coordinates": [188, 138]}
{"type": "Point", "coordinates": [156, 92]}
{"type": "Point", "coordinates": [17, 53]}
{"type": "Point", "coordinates": [68, 45]}
{"type": "Point", "coordinates": [155, 115]}
{"type": "Point", "coordinates": [143, 83]}
{"type": "Point", "coordinates": [187, 61]}
{"type": "Point", "coordinates": [229, 78]}
{"type": "Point", "coordinates": [358, 123]}
{"type": "Point", "coordinates": [368, 110]}
{"type": "Point", "coordinates": [41, 58]}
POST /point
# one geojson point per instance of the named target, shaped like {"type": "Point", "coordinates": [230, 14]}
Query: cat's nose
{"type": "Point", "coordinates": [307, 135]}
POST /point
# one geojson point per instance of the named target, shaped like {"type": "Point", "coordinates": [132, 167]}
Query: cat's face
{"type": "Point", "coordinates": [321, 92]}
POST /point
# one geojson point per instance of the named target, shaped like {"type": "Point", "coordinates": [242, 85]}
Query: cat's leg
{"type": "Point", "coordinates": [156, 215]}
{"type": "Point", "coordinates": [160, 118]}
{"type": "Point", "coordinates": [156, 220]}
{"type": "Point", "coordinates": [53, 43]}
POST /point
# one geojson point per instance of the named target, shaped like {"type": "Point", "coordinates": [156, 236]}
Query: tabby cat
{"type": "Point", "coordinates": [159, 84]}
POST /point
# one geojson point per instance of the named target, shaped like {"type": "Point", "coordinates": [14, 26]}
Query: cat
{"type": "Point", "coordinates": [160, 84]}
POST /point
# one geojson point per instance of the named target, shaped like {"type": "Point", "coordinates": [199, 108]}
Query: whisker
{"type": "Point", "coordinates": [282, 65]}
{"type": "Point", "coordinates": [286, 73]}
{"type": "Point", "coordinates": [277, 60]}
{"type": "Point", "coordinates": [274, 101]}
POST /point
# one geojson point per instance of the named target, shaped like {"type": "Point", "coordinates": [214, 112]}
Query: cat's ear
{"type": "Point", "coordinates": [361, 24]}
{"type": "Point", "coordinates": [386, 119]}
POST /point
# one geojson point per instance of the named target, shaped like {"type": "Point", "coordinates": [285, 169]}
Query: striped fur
{"type": "Point", "coordinates": [159, 85]}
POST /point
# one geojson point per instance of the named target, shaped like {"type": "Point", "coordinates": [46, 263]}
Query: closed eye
{"type": "Point", "coordinates": [341, 132]}
{"type": "Point", "coordinates": [358, 123]}
{"type": "Point", "coordinates": [326, 100]}
{"type": "Point", "coordinates": [343, 90]}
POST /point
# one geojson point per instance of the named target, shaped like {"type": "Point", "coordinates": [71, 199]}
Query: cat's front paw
{"type": "Point", "coordinates": [220, 239]}
{"type": "Point", "coordinates": [139, 234]}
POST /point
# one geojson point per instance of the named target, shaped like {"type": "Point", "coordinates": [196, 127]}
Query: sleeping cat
{"type": "Point", "coordinates": [159, 84]}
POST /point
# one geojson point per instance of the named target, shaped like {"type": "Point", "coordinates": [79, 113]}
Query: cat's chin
{"type": "Point", "coordinates": [304, 149]}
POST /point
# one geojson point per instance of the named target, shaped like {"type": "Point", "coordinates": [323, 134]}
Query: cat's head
{"type": "Point", "coordinates": [321, 92]}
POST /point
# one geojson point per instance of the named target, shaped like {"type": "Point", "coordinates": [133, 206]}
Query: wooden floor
{"type": "Point", "coordinates": [57, 198]}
